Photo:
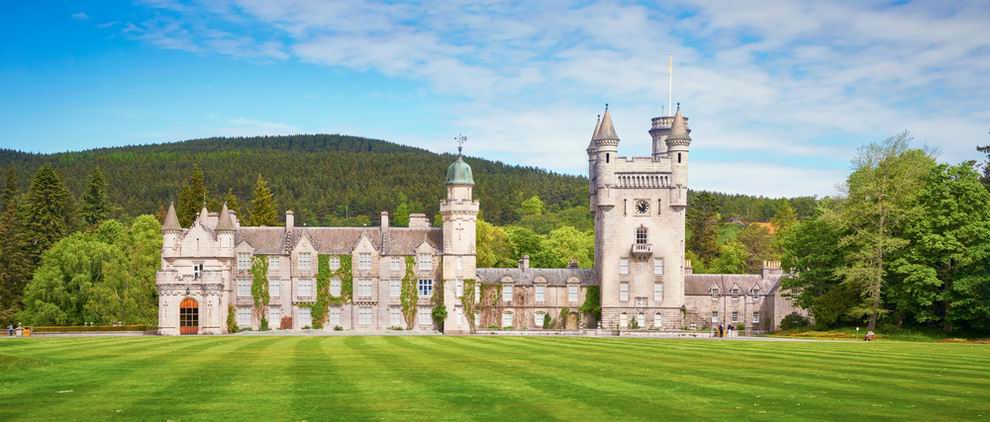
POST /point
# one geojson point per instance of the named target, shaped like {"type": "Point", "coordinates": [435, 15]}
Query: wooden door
{"type": "Point", "coordinates": [189, 317]}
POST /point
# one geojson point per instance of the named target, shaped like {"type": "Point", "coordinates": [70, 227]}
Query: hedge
{"type": "Point", "coordinates": [83, 328]}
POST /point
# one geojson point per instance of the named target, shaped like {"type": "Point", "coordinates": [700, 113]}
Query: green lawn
{"type": "Point", "coordinates": [487, 378]}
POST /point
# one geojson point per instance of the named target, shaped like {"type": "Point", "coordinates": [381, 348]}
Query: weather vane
{"type": "Point", "coordinates": [461, 139]}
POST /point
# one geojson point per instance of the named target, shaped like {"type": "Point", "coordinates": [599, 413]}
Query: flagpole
{"type": "Point", "coordinates": [670, 84]}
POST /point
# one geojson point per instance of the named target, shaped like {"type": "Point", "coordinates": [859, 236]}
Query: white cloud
{"type": "Point", "coordinates": [80, 16]}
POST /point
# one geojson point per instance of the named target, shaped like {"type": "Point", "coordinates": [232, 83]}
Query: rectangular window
{"type": "Point", "coordinates": [459, 288]}
{"type": "Point", "coordinates": [305, 290]}
{"type": "Point", "coordinates": [459, 313]}
{"type": "Point", "coordinates": [507, 319]}
{"type": "Point", "coordinates": [274, 287]}
{"type": "Point", "coordinates": [305, 317]}
{"type": "Point", "coordinates": [243, 288]}
{"type": "Point", "coordinates": [334, 263]}
{"type": "Point", "coordinates": [364, 288]}
{"type": "Point", "coordinates": [538, 319]}
{"type": "Point", "coordinates": [274, 317]}
{"type": "Point", "coordinates": [657, 292]}
{"type": "Point", "coordinates": [658, 266]}
{"type": "Point", "coordinates": [364, 316]}
{"type": "Point", "coordinates": [540, 293]}
{"type": "Point", "coordinates": [243, 261]}
{"type": "Point", "coordinates": [425, 262]}
{"type": "Point", "coordinates": [334, 316]}
{"type": "Point", "coordinates": [305, 261]}
{"type": "Point", "coordinates": [244, 317]}
{"type": "Point", "coordinates": [756, 317]}
{"type": "Point", "coordinates": [396, 264]}
{"type": "Point", "coordinates": [623, 320]}
{"type": "Point", "coordinates": [735, 317]}
{"type": "Point", "coordinates": [623, 292]}
{"type": "Point", "coordinates": [714, 316]}
{"type": "Point", "coordinates": [197, 271]}
{"type": "Point", "coordinates": [273, 263]}
{"type": "Point", "coordinates": [572, 293]}
{"type": "Point", "coordinates": [623, 266]}
{"type": "Point", "coordinates": [507, 293]}
{"type": "Point", "coordinates": [395, 317]}
{"type": "Point", "coordinates": [657, 320]}
{"type": "Point", "coordinates": [335, 287]}
{"type": "Point", "coordinates": [425, 288]}
{"type": "Point", "coordinates": [364, 261]}
{"type": "Point", "coordinates": [477, 319]}
{"type": "Point", "coordinates": [395, 289]}
{"type": "Point", "coordinates": [641, 320]}
{"type": "Point", "coordinates": [423, 316]}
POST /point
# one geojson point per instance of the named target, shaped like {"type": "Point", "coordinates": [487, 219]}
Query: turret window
{"type": "Point", "coordinates": [678, 158]}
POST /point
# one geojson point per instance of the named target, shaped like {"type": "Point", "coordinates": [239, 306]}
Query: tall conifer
{"type": "Point", "coordinates": [192, 197]}
{"type": "Point", "coordinates": [9, 188]}
{"type": "Point", "coordinates": [95, 203]}
{"type": "Point", "coordinates": [263, 208]}
{"type": "Point", "coordinates": [50, 212]}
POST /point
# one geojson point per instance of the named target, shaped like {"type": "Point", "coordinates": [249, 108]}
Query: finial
{"type": "Point", "coordinates": [461, 139]}
{"type": "Point", "coordinates": [606, 106]}
{"type": "Point", "coordinates": [678, 106]}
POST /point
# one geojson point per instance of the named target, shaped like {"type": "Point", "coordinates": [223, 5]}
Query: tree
{"type": "Point", "coordinates": [986, 166]}
{"type": "Point", "coordinates": [784, 217]}
{"type": "Point", "coordinates": [9, 190]}
{"type": "Point", "coordinates": [15, 264]}
{"type": "Point", "coordinates": [759, 246]}
{"type": "Point", "coordinates": [564, 244]}
{"type": "Point", "coordinates": [50, 212]}
{"type": "Point", "coordinates": [702, 223]}
{"type": "Point", "coordinates": [233, 203]}
{"type": "Point", "coordinates": [402, 215]}
{"type": "Point", "coordinates": [532, 207]}
{"type": "Point", "coordinates": [813, 259]}
{"type": "Point", "coordinates": [881, 198]}
{"type": "Point", "coordinates": [731, 259]}
{"type": "Point", "coordinates": [192, 197]}
{"type": "Point", "coordinates": [494, 250]}
{"type": "Point", "coordinates": [95, 203]}
{"type": "Point", "coordinates": [263, 209]}
{"type": "Point", "coordinates": [949, 241]}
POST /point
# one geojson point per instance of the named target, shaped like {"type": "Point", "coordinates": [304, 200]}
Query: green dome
{"type": "Point", "coordinates": [459, 173]}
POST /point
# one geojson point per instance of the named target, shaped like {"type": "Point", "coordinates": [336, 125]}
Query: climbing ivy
{"type": "Point", "coordinates": [320, 309]}
{"type": "Point", "coordinates": [439, 311]}
{"type": "Point", "coordinates": [259, 288]}
{"type": "Point", "coordinates": [231, 320]}
{"type": "Point", "coordinates": [491, 295]}
{"type": "Point", "coordinates": [592, 302]}
{"type": "Point", "coordinates": [409, 294]}
{"type": "Point", "coordinates": [467, 302]}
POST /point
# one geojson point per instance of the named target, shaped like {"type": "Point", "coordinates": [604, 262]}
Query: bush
{"type": "Point", "coordinates": [547, 321]}
{"type": "Point", "coordinates": [338, 328]}
{"type": "Point", "coordinates": [89, 328]}
{"type": "Point", "coordinates": [794, 321]}
{"type": "Point", "coordinates": [231, 320]}
{"type": "Point", "coordinates": [633, 323]}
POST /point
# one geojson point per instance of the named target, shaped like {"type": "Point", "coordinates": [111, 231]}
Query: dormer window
{"type": "Point", "coordinates": [424, 262]}
{"type": "Point", "coordinates": [714, 291]}
{"type": "Point", "coordinates": [734, 291]}
{"type": "Point", "coordinates": [305, 261]}
{"type": "Point", "coordinates": [755, 291]}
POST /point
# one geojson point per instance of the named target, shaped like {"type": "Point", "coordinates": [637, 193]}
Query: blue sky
{"type": "Point", "coordinates": [779, 95]}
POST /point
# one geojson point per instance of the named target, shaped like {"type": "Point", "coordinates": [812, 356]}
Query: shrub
{"type": "Point", "coordinates": [86, 328]}
{"type": "Point", "coordinates": [633, 323]}
{"type": "Point", "coordinates": [547, 321]}
{"type": "Point", "coordinates": [338, 328]}
{"type": "Point", "coordinates": [231, 320]}
{"type": "Point", "coordinates": [794, 321]}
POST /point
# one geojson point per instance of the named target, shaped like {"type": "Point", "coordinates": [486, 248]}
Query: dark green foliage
{"type": "Point", "coordinates": [192, 197]}
{"type": "Point", "coordinates": [231, 320]}
{"type": "Point", "coordinates": [547, 322]}
{"type": "Point", "coordinates": [264, 212]}
{"type": "Point", "coordinates": [50, 212]}
{"type": "Point", "coordinates": [703, 225]}
{"type": "Point", "coordinates": [233, 203]}
{"type": "Point", "coordinates": [834, 306]}
{"type": "Point", "coordinates": [794, 321]}
{"type": "Point", "coordinates": [95, 202]}
{"type": "Point", "coordinates": [9, 189]}
{"type": "Point", "coordinates": [592, 302]}
{"type": "Point", "coordinates": [986, 166]}
{"type": "Point", "coordinates": [758, 208]}
{"type": "Point", "coordinates": [15, 264]}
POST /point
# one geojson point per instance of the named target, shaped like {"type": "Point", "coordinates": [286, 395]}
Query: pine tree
{"type": "Point", "coordinates": [50, 212]}
{"type": "Point", "coordinates": [192, 197]}
{"type": "Point", "coordinates": [9, 188]}
{"type": "Point", "coordinates": [233, 203]}
{"type": "Point", "coordinates": [95, 203]}
{"type": "Point", "coordinates": [263, 208]}
{"type": "Point", "coordinates": [15, 265]}
{"type": "Point", "coordinates": [703, 225]}
{"type": "Point", "coordinates": [986, 166]}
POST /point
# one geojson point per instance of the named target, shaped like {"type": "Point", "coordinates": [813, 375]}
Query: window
{"type": "Point", "coordinates": [305, 317]}
{"type": "Point", "coordinates": [305, 289]}
{"type": "Point", "coordinates": [459, 313]}
{"type": "Point", "coordinates": [335, 316]}
{"type": "Point", "coordinates": [623, 292]}
{"type": "Point", "coordinates": [678, 158]}
{"type": "Point", "coordinates": [507, 319]}
{"type": "Point", "coordinates": [641, 238]}
{"type": "Point", "coordinates": [459, 289]}
{"type": "Point", "coordinates": [424, 262]}
{"type": "Point", "coordinates": [658, 266]}
{"type": "Point", "coordinates": [197, 271]}
{"type": "Point", "coordinates": [273, 262]}
{"type": "Point", "coordinates": [540, 293]}
{"type": "Point", "coordinates": [305, 261]}
{"type": "Point", "coordinates": [507, 293]}
{"type": "Point", "coordinates": [657, 320]}
{"type": "Point", "coordinates": [714, 290]}
{"type": "Point", "coordinates": [755, 291]}
{"type": "Point", "coordinates": [623, 266]}
{"type": "Point", "coordinates": [425, 288]}
{"type": "Point", "coordinates": [243, 288]}
{"type": "Point", "coordinates": [335, 287]}
{"type": "Point", "coordinates": [364, 288]}
{"type": "Point", "coordinates": [243, 261]}
{"type": "Point", "coordinates": [641, 320]}
{"type": "Point", "coordinates": [735, 317]}
{"type": "Point", "coordinates": [623, 320]}
{"type": "Point", "coordinates": [274, 287]}
{"type": "Point", "coordinates": [734, 291]}
{"type": "Point", "coordinates": [756, 317]}
{"type": "Point", "coordinates": [395, 317]}
{"type": "Point", "coordinates": [477, 292]}
{"type": "Point", "coordinates": [714, 316]}
{"type": "Point", "coordinates": [274, 317]}
{"type": "Point", "coordinates": [364, 316]}
{"type": "Point", "coordinates": [395, 289]}
{"type": "Point", "coordinates": [244, 317]}
{"type": "Point", "coordinates": [364, 261]}
{"type": "Point", "coordinates": [334, 263]}
{"type": "Point", "coordinates": [657, 292]}
{"type": "Point", "coordinates": [608, 157]}
{"type": "Point", "coordinates": [423, 316]}
{"type": "Point", "coordinates": [572, 293]}
{"type": "Point", "coordinates": [396, 263]}
{"type": "Point", "coordinates": [538, 319]}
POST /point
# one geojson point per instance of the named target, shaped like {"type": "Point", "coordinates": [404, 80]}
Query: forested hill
{"type": "Point", "coordinates": [317, 176]}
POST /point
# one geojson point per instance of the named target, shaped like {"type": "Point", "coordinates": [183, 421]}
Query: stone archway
{"type": "Point", "coordinates": [189, 316]}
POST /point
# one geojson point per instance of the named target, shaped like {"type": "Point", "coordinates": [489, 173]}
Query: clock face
{"type": "Point", "coordinates": [642, 207]}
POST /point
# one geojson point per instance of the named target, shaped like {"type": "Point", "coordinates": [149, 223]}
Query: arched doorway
{"type": "Point", "coordinates": [189, 316]}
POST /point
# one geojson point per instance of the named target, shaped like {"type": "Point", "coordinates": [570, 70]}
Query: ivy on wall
{"type": "Point", "coordinates": [491, 296]}
{"type": "Point", "coordinates": [231, 320]}
{"type": "Point", "coordinates": [592, 302]}
{"type": "Point", "coordinates": [409, 295]}
{"type": "Point", "coordinates": [320, 309]}
{"type": "Point", "coordinates": [467, 302]}
{"type": "Point", "coordinates": [439, 311]}
{"type": "Point", "coordinates": [259, 288]}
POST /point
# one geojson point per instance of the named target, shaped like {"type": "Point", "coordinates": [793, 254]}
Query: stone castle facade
{"type": "Point", "coordinates": [644, 283]}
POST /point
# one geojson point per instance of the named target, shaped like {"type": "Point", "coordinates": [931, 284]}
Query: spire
{"type": "Point", "coordinates": [605, 132]}
{"type": "Point", "coordinates": [171, 220]}
{"type": "Point", "coordinates": [225, 222]}
{"type": "Point", "coordinates": [678, 130]}
{"type": "Point", "coordinates": [598, 123]}
{"type": "Point", "coordinates": [203, 214]}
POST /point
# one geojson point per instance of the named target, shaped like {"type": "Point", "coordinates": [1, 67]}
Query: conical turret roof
{"type": "Point", "coordinates": [171, 219]}
{"type": "Point", "coordinates": [204, 214]}
{"type": "Point", "coordinates": [225, 223]}
{"type": "Point", "coordinates": [605, 130]}
{"type": "Point", "coordinates": [598, 124]}
{"type": "Point", "coordinates": [678, 130]}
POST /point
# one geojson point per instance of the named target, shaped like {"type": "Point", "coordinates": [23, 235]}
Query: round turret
{"type": "Point", "coordinates": [459, 173]}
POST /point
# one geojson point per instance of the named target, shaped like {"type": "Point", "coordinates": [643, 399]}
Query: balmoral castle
{"type": "Point", "coordinates": [372, 279]}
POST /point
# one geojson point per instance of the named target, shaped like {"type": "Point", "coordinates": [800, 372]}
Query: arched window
{"type": "Point", "coordinates": [641, 237]}
{"type": "Point", "coordinates": [657, 320]}
{"type": "Point", "coordinates": [538, 319]}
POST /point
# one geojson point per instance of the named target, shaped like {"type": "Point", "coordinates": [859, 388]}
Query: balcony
{"type": "Point", "coordinates": [642, 249]}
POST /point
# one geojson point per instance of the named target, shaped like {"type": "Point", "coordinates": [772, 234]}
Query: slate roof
{"type": "Point", "coordinates": [606, 132]}
{"type": "Point", "coordinates": [698, 284]}
{"type": "Point", "coordinates": [340, 240]}
{"type": "Point", "coordinates": [554, 276]}
{"type": "Point", "coordinates": [171, 220]}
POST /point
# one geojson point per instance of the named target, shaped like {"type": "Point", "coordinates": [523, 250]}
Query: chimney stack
{"type": "Point", "coordinates": [524, 262]}
{"type": "Point", "coordinates": [384, 223]}
{"type": "Point", "coordinates": [290, 220]}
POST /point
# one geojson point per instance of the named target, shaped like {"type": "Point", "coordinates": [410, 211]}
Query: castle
{"type": "Point", "coordinates": [372, 279]}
